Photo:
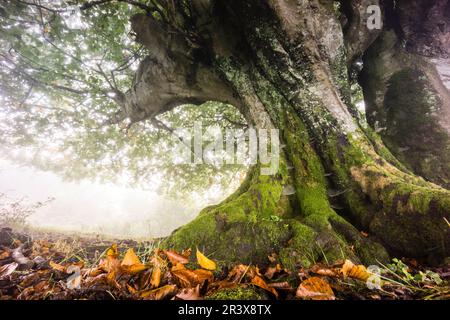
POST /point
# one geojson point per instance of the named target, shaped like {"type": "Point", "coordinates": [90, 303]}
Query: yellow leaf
{"type": "Point", "coordinates": [130, 258]}
{"type": "Point", "coordinates": [355, 271]}
{"type": "Point", "coordinates": [315, 289]}
{"type": "Point", "coordinates": [204, 262]}
{"type": "Point", "coordinates": [112, 251]}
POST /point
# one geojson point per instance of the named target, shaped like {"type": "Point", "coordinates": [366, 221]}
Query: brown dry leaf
{"type": "Point", "coordinates": [258, 281]}
{"type": "Point", "coordinates": [5, 254]}
{"type": "Point", "coordinates": [175, 258]}
{"type": "Point", "coordinates": [204, 275]}
{"type": "Point", "coordinates": [237, 273]}
{"type": "Point", "coordinates": [156, 277]}
{"type": "Point", "coordinates": [324, 271]}
{"type": "Point", "coordinates": [160, 293]}
{"type": "Point", "coordinates": [189, 294]}
{"type": "Point", "coordinates": [111, 280]}
{"type": "Point", "coordinates": [271, 271]}
{"type": "Point", "coordinates": [190, 278]}
{"type": "Point", "coordinates": [204, 262]}
{"type": "Point", "coordinates": [355, 271]}
{"type": "Point", "coordinates": [7, 269]}
{"type": "Point", "coordinates": [315, 289]}
{"type": "Point", "coordinates": [57, 267]}
{"type": "Point", "coordinates": [281, 285]}
{"type": "Point", "coordinates": [111, 263]}
{"type": "Point", "coordinates": [93, 272]}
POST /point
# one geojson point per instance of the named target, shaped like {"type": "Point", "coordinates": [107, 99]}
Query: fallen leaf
{"type": "Point", "coordinates": [131, 289]}
{"type": "Point", "coordinates": [203, 275]}
{"type": "Point", "coordinates": [281, 285]}
{"type": "Point", "coordinates": [191, 278]}
{"type": "Point", "coordinates": [131, 263]}
{"type": "Point", "coordinates": [204, 262]}
{"type": "Point", "coordinates": [5, 254]}
{"type": "Point", "coordinates": [156, 277]}
{"type": "Point", "coordinates": [355, 271]}
{"type": "Point", "coordinates": [178, 266]}
{"type": "Point", "coordinates": [130, 258]}
{"type": "Point", "coordinates": [324, 271]}
{"type": "Point", "coordinates": [186, 253]}
{"type": "Point", "coordinates": [112, 251]}
{"type": "Point", "coordinates": [259, 282]}
{"type": "Point", "coordinates": [57, 267]}
{"type": "Point", "coordinates": [315, 289]}
{"type": "Point", "coordinates": [7, 269]}
{"type": "Point", "coordinates": [271, 271]}
{"type": "Point", "coordinates": [189, 294]}
{"type": "Point", "coordinates": [175, 257]}
{"type": "Point", "coordinates": [159, 293]}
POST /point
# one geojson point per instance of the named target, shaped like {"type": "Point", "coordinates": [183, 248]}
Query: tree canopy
{"type": "Point", "coordinates": [63, 67]}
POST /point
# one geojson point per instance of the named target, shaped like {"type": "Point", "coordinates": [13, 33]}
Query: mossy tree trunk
{"type": "Point", "coordinates": [406, 86]}
{"type": "Point", "coordinates": [283, 64]}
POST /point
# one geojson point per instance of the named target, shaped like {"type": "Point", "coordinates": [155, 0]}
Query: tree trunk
{"type": "Point", "coordinates": [406, 87]}
{"type": "Point", "coordinates": [283, 64]}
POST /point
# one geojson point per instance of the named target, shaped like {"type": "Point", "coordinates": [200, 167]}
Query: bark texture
{"type": "Point", "coordinates": [406, 87]}
{"type": "Point", "coordinates": [284, 64]}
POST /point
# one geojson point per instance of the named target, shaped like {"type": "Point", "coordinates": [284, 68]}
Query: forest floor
{"type": "Point", "coordinates": [37, 265]}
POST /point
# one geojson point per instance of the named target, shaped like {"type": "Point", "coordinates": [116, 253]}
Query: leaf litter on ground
{"type": "Point", "coordinates": [124, 270]}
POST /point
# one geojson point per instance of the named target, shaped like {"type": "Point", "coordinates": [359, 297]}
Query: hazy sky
{"type": "Point", "coordinates": [92, 207]}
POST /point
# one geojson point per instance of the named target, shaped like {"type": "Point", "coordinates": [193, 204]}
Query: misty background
{"type": "Point", "coordinates": [90, 207]}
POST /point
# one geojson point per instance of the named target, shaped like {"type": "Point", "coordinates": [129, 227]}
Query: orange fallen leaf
{"type": "Point", "coordinates": [178, 266]}
{"type": "Point", "coordinates": [355, 271]}
{"type": "Point", "coordinates": [130, 258]}
{"type": "Point", "coordinates": [5, 254]}
{"type": "Point", "coordinates": [258, 281]}
{"type": "Point", "coordinates": [315, 289]}
{"type": "Point", "coordinates": [204, 262]}
{"type": "Point", "coordinates": [57, 266]}
{"type": "Point", "coordinates": [203, 275]}
{"type": "Point", "coordinates": [159, 293]}
{"type": "Point", "coordinates": [131, 263]}
{"type": "Point", "coordinates": [156, 277]}
{"type": "Point", "coordinates": [175, 257]}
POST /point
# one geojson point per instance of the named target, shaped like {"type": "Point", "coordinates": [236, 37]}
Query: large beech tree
{"type": "Point", "coordinates": [361, 191]}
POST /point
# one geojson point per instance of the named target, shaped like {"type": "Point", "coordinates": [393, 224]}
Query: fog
{"type": "Point", "coordinates": [90, 207]}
